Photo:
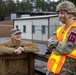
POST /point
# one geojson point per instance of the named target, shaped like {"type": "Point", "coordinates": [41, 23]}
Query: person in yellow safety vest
{"type": "Point", "coordinates": [63, 42]}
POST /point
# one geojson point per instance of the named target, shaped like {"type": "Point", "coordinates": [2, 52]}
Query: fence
{"type": "Point", "coordinates": [43, 31]}
{"type": "Point", "coordinates": [30, 57]}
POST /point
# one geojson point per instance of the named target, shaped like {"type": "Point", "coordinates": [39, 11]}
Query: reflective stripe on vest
{"type": "Point", "coordinates": [55, 61]}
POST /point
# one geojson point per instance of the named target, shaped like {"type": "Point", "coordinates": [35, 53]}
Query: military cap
{"type": "Point", "coordinates": [67, 6]}
{"type": "Point", "coordinates": [15, 31]}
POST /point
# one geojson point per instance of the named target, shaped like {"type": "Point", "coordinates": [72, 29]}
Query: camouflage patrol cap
{"type": "Point", "coordinates": [67, 6]}
{"type": "Point", "coordinates": [15, 31]}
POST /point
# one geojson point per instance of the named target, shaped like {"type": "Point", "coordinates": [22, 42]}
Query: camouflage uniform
{"type": "Point", "coordinates": [16, 67]}
{"type": "Point", "coordinates": [64, 47]}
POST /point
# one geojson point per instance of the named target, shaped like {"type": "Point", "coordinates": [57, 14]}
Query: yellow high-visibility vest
{"type": "Point", "coordinates": [55, 61]}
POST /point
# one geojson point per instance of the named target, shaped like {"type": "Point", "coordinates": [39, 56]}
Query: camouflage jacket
{"type": "Point", "coordinates": [63, 48]}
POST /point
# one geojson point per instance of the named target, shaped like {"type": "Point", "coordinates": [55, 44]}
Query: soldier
{"type": "Point", "coordinates": [16, 46]}
{"type": "Point", "coordinates": [63, 42]}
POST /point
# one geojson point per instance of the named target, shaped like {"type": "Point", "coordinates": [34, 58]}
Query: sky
{"type": "Point", "coordinates": [54, 0]}
{"type": "Point", "coordinates": [50, 0]}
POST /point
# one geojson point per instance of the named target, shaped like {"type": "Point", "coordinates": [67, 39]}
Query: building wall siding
{"type": "Point", "coordinates": [38, 22]}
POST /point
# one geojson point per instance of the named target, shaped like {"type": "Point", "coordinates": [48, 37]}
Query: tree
{"type": "Point", "coordinates": [25, 6]}
{"type": "Point", "coordinates": [10, 7]}
{"type": "Point", "coordinates": [2, 9]}
{"type": "Point", "coordinates": [41, 4]}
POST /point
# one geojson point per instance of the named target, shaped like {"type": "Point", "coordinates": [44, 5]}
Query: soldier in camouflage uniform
{"type": "Point", "coordinates": [16, 46]}
{"type": "Point", "coordinates": [65, 11]}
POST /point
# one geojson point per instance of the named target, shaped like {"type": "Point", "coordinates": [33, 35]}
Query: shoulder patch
{"type": "Point", "coordinates": [72, 37]}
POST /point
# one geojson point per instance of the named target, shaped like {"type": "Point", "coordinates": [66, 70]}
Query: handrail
{"type": "Point", "coordinates": [41, 56]}
{"type": "Point", "coordinates": [14, 56]}
{"type": "Point", "coordinates": [29, 56]}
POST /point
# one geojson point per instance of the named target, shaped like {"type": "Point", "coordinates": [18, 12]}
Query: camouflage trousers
{"type": "Point", "coordinates": [63, 72]}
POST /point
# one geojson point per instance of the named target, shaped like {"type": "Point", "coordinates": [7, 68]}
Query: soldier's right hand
{"type": "Point", "coordinates": [21, 49]}
{"type": "Point", "coordinates": [17, 51]}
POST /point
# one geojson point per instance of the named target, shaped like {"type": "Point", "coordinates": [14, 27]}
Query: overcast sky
{"type": "Point", "coordinates": [54, 0]}
{"type": "Point", "coordinates": [50, 0]}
